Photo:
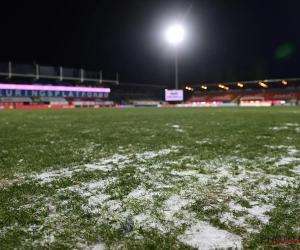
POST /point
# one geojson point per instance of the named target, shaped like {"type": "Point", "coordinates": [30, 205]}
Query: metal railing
{"type": "Point", "coordinates": [36, 72]}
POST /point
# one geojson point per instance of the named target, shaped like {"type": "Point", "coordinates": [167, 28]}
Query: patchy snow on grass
{"type": "Point", "coordinates": [205, 237]}
{"type": "Point", "coordinates": [225, 181]}
{"type": "Point", "coordinates": [259, 212]}
{"type": "Point", "coordinates": [296, 169]}
{"type": "Point", "coordinates": [279, 147]}
{"type": "Point", "coordinates": [100, 246]}
{"type": "Point", "coordinates": [141, 193]}
{"type": "Point", "coordinates": [204, 141]}
{"type": "Point", "coordinates": [184, 173]}
{"type": "Point", "coordinates": [147, 221]}
{"type": "Point", "coordinates": [292, 124]}
{"type": "Point", "coordinates": [287, 160]}
{"type": "Point", "coordinates": [88, 189]}
{"type": "Point", "coordinates": [237, 221]}
{"type": "Point", "coordinates": [262, 137]}
{"type": "Point", "coordinates": [152, 154]}
{"type": "Point", "coordinates": [177, 128]}
{"type": "Point", "coordinates": [202, 178]}
{"type": "Point", "coordinates": [50, 176]}
{"type": "Point", "coordinates": [175, 203]}
{"type": "Point", "coordinates": [279, 128]}
{"type": "Point", "coordinates": [233, 190]}
{"type": "Point", "coordinates": [276, 181]}
{"type": "Point", "coordinates": [98, 199]}
{"type": "Point", "coordinates": [290, 149]}
{"type": "Point", "coordinates": [5, 183]}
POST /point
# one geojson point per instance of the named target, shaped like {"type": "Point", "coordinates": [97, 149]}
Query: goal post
{"type": "Point", "coordinates": [254, 101]}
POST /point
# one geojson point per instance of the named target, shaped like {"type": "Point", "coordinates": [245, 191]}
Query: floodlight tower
{"type": "Point", "coordinates": [175, 35]}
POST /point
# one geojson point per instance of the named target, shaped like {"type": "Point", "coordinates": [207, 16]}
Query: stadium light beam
{"type": "Point", "coordinates": [175, 35]}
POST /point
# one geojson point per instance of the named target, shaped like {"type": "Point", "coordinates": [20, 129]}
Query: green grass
{"type": "Point", "coordinates": [71, 179]}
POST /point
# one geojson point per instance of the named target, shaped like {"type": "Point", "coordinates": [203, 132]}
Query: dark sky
{"type": "Point", "coordinates": [226, 40]}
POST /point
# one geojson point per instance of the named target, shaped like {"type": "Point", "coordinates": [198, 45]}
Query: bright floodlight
{"type": "Point", "coordinates": [175, 34]}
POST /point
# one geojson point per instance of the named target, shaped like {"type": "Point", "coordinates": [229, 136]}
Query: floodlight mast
{"type": "Point", "coordinates": [176, 68]}
{"type": "Point", "coordinates": [175, 36]}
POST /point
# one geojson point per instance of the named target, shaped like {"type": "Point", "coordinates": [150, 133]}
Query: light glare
{"type": "Point", "coordinates": [175, 34]}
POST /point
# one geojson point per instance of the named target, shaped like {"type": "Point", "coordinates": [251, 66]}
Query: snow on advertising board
{"type": "Point", "coordinates": [174, 95]}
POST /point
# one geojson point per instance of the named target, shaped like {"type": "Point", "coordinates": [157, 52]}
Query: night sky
{"type": "Point", "coordinates": [225, 40]}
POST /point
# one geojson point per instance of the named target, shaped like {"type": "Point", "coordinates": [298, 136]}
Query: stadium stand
{"type": "Point", "coordinates": [111, 92]}
{"type": "Point", "coordinates": [251, 93]}
{"type": "Point", "coordinates": [26, 74]}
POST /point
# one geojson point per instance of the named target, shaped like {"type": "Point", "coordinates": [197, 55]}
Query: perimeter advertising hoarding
{"type": "Point", "coordinates": [22, 90]}
{"type": "Point", "coordinates": [43, 93]}
{"type": "Point", "coordinates": [174, 95]}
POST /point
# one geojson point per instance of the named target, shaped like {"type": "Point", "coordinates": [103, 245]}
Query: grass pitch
{"type": "Point", "coordinates": [149, 178]}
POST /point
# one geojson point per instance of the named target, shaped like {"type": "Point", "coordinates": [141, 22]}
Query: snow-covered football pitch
{"type": "Point", "coordinates": [149, 178]}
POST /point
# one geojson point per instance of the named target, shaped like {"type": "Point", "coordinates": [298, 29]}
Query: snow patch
{"type": "Point", "coordinates": [296, 169]}
{"type": "Point", "coordinates": [229, 217]}
{"type": "Point", "coordinates": [141, 193]}
{"type": "Point", "coordinates": [100, 246]}
{"type": "Point", "coordinates": [175, 203]}
{"type": "Point", "coordinates": [50, 176]}
{"type": "Point", "coordinates": [279, 128]}
{"type": "Point", "coordinates": [287, 160]}
{"type": "Point", "coordinates": [292, 124]}
{"type": "Point", "coordinates": [262, 137]}
{"type": "Point", "coordinates": [98, 199]}
{"type": "Point", "coordinates": [152, 154]}
{"type": "Point", "coordinates": [145, 220]}
{"type": "Point", "coordinates": [177, 128]}
{"type": "Point", "coordinates": [205, 237]}
{"type": "Point", "coordinates": [259, 212]}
